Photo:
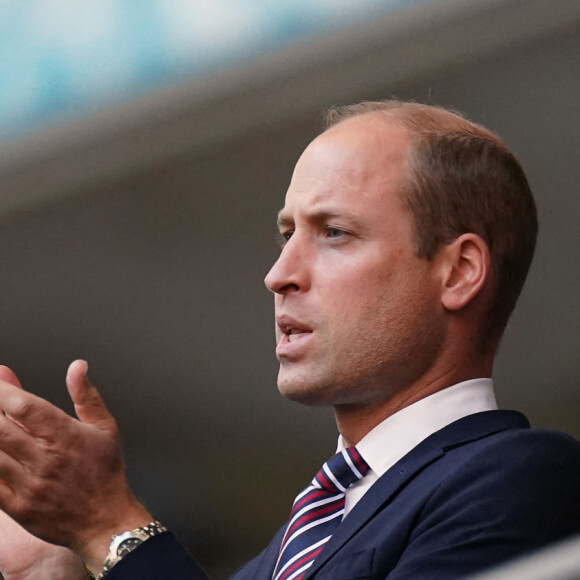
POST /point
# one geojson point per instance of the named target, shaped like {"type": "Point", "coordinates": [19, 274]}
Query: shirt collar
{"type": "Point", "coordinates": [392, 439]}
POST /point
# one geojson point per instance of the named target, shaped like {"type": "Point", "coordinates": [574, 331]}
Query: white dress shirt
{"type": "Point", "coordinates": [400, 433]}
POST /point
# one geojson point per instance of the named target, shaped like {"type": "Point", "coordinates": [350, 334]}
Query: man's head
{"type": "Point", "coordinates": [367, 302]}
{"type": "Point", "coordinates": [462, 178]}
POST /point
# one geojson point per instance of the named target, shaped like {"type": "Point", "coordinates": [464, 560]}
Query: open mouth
{"type": "Point", "coordinates": [296, 334]}
{"type": "Point", "coordinates": [291, 329]}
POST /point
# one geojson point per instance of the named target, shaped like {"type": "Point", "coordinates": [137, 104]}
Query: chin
{"type": "Point", "coordinates": [307, 390]}
{"type": "Point", "coordinates": [302, 396]}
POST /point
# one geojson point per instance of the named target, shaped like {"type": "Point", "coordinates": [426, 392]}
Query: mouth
{"type": "Point", "coordinates": [291, 331]}
{"type": "Point", "coordinates": [295, 335]}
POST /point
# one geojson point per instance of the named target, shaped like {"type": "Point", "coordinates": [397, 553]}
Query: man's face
{"type": "Point", "coordinates": [358, 314]}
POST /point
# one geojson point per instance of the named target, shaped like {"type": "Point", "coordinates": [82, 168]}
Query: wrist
{"type": "Point", "coordinates": [123, 544]}
{"type": "Point", "coordinates": [94, 551]}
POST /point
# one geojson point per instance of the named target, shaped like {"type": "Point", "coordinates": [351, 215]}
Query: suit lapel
{"type": "Point", "coordinates": [431, 449]}
{"type": "Point", "coordinates": [265, 568]}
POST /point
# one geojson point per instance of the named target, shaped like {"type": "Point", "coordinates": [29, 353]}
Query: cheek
{"type": "Point", "coordinates": [359, 280]}
{"type": "Point", "coordinates": [387, 307]}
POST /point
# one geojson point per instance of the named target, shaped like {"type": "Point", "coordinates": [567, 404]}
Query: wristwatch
{"type": "Point", "coordinates": [126, 542]}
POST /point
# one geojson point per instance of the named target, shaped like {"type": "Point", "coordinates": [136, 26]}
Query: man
{"type": "Point", "coordinates": [407, 234]}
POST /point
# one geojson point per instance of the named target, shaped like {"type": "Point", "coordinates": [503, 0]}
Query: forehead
{"type": "Point", "coordinates": [357, 165]}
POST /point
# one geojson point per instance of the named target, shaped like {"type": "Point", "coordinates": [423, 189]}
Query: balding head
{"type": "Point", "coordinates": [462, 179]}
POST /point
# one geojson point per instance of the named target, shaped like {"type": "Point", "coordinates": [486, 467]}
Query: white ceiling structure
{"type": "Point", "coordinates": [138, 238]}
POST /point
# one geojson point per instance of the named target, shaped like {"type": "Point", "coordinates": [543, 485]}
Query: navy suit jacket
{"type": "Point", "coordinates": [480, 491]}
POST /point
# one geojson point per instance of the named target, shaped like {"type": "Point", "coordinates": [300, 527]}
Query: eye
{"type": "Point", "coordinates": [283, 237]}
{"type": "Point", "coordinates": [334, 233]}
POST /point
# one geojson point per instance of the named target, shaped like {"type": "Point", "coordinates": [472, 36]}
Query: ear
{"type": "Point", "coordinates": [466, 268]}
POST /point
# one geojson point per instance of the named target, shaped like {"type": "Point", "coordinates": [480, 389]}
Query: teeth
{"type": "Point", "coordinates": [295, 335]}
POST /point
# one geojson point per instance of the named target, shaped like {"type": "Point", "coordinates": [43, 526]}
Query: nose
{"type": "Point", "coordinates": [290, 271]}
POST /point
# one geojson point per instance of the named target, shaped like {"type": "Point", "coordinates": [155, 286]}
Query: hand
{"type": "Point", "coordinates": [63, 479]}
{"type": "Point", "coordinates": [25, 557]}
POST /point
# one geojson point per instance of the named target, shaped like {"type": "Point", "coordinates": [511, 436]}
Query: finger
{"type": "Point", "coordinates": [7, 493]}
{"type": "Point", "coordinates": [7, 375]}
{"type": "Point", "coordinates": [28, 411]}
{"type": "Point", "coordinates": [17, 448]}
{"type": "Point", "coordinates": [89, 406]}
{"type": "Point", "coordinates": [15, 441]}
{"type": "Point", "coordinates": [13, 476]}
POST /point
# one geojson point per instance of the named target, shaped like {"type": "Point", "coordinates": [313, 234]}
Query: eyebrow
{"type": "Point", "coordinates": [318, 216]}
{"type": "Point", "coordinates": [284, 220]}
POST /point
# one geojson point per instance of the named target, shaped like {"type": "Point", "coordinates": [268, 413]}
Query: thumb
{"type": "Point", "coordinates": [89, 406]}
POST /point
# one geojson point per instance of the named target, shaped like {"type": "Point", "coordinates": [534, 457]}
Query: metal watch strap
{"type": "Point", "coordinates": [129, 541]}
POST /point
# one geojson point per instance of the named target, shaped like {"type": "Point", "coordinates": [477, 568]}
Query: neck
{"type": "Point", "coordinates": [355, 421]}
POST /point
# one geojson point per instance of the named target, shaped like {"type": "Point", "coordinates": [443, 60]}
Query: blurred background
{"type": "Point", "coordinates": [145, 148]}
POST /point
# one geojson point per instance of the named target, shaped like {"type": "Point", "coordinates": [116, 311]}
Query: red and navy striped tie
{"type": "Point", "coordinates": [316, 513]}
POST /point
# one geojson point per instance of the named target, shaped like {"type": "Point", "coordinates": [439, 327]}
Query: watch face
{"type": "Point", "coordinates": [127, 546]}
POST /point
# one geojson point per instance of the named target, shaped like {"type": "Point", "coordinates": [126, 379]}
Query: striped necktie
{"type": "Point", "coordinates": [316, 513]}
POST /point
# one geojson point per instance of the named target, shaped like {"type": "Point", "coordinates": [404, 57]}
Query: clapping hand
{"type": "Point", "coordinates": [25, 557]}
{"type": "Point", "coordinates": [62, 479]}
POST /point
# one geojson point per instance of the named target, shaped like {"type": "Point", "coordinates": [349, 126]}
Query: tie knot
{"type": "Point", "coordinates": [342, 470]}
